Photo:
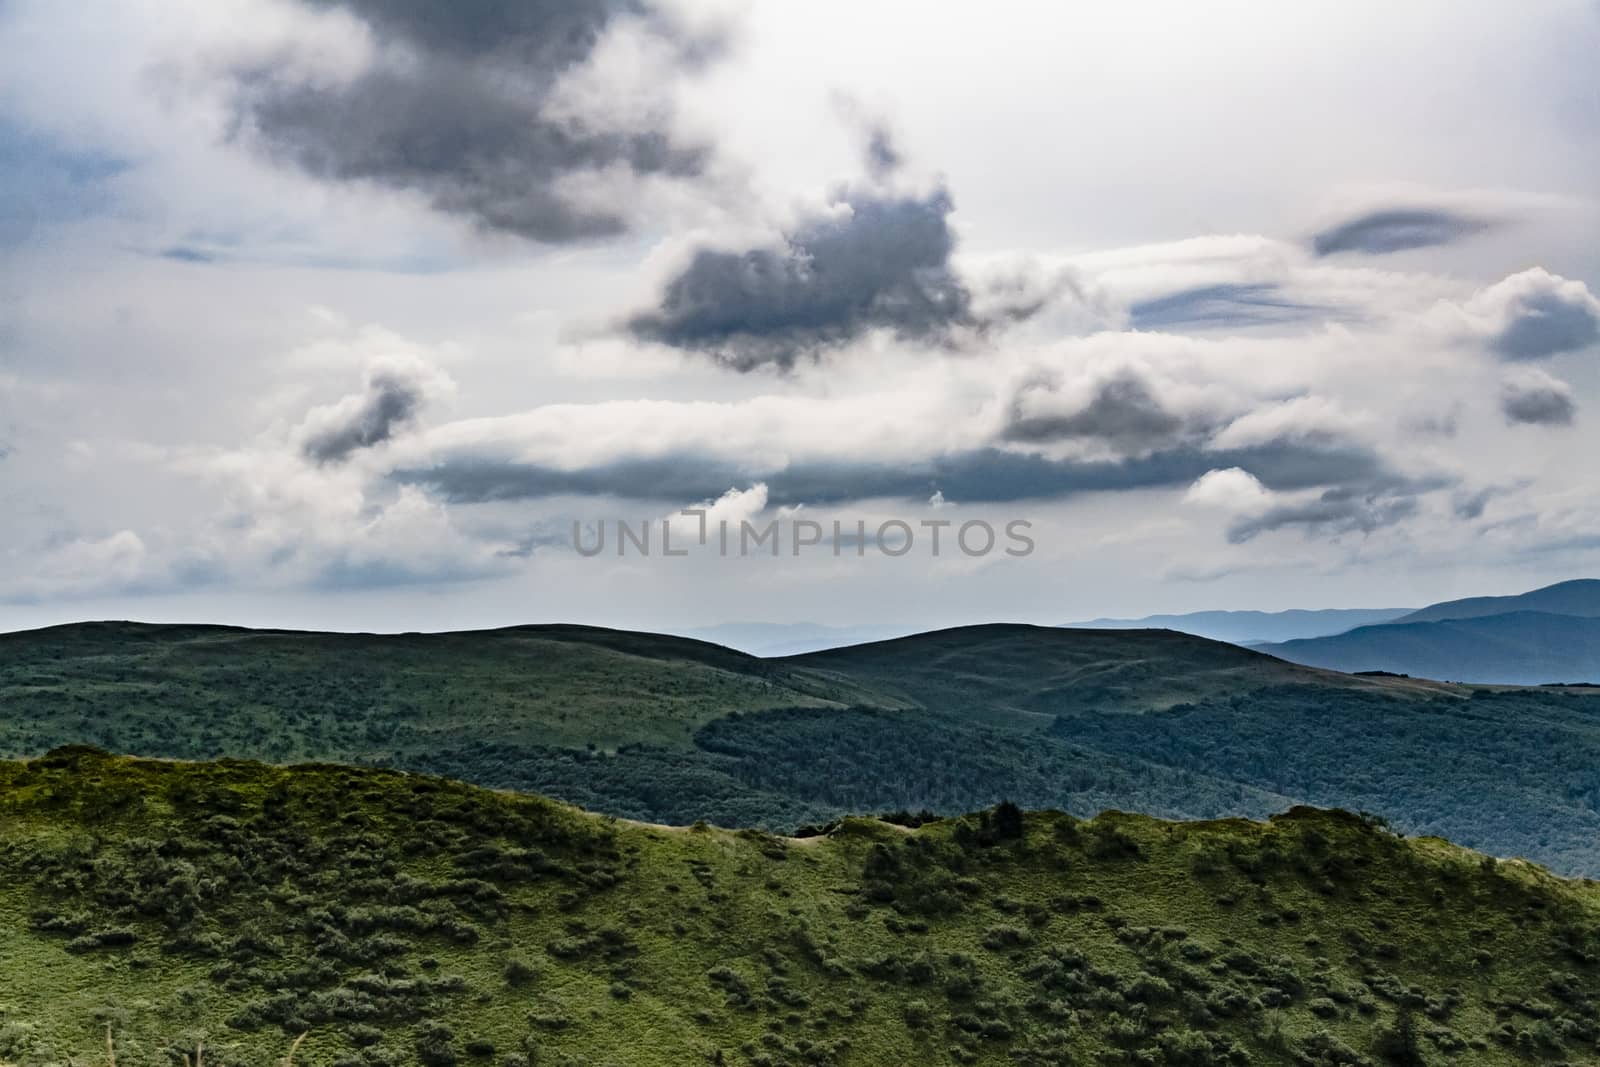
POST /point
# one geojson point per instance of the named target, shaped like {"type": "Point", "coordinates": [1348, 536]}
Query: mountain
{"type": "Point", "coordinates": [1580, 598]}
{"type": "Point", "coordinates": [1037, 672]}
{"type": "Point", "coordinates": [233, 913]}
{"type": "Point", "coordinates": [1255, 627]}
{"type": "Point", "coordinates": [1522, 648]}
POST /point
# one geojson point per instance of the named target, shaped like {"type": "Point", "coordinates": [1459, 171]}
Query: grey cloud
{"type": "Point", "coordinates": [1470, 506]}
{"type": "Point", "coordinates": [454, 109]}
{"type": "Point", "coordinates": [883, 264]}
{"type": "Point", "coordinates": [1538, 403]}
{"type": "Point", "coordinates": [1397, 229]}
{"type": "Point", "coordinates": [978, 476]}
{"type": "Point", "coordinates": [1341, 509]}
{"type": "Point", "coordinates": [186, 254]}
{"type": "Point", "coordinates": [1123, 412]}
{"type": "Point", "coordinates": [390, 402]}
{"type": "Point", "coordinates": [883, 155]}
{"type": "Point", "coordinates": [1547, 323]}
{"type": "Point", "coordinates": [1227, 305]}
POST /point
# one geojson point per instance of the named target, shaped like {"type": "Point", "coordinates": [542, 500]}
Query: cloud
{"type": "Point", "coordinates": [83, 566]}
{"type": "Point", "coordinates": [394, 391]}
{"type": "Point", "coordinates": [1535, 314]}
{"type": "Point", "coordinates": [1222, 305]}
{"type": "Point", "coordinates": [981, 475]}
{"type": "Point", "coordinates": [871, 261]}
{"type": "Point", "coordinates": [1121, 411]}
{"type": "Point", "coordinates": [1362, 506]}
{"type": "Point", "coordinates": [1232, 489]}
{"type": "Point", "coordinates": [186, 254]}
{"type": "Point", "coordinates": [883, 154]}
{"type": "Point", "coordinates": [473, 105]}
{"type": "Point", "coordinates": [1300, 418]}
{"type": "Point", "coordinates": [1535, 398]}
{"type": "Point", "coordinates": [1346, 509]}
{"type": "Point", "coordinates": [44, 181]}
{"type": "Point", "coordinates": [1396, 229]}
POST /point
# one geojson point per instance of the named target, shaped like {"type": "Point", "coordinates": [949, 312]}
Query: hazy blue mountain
{"type": "Point", "coordinates": [1580, 597]}
{"type": "Point", "coordinates": [1254, 627]}
{"type": "Point", "coordinates": [1520, 648]}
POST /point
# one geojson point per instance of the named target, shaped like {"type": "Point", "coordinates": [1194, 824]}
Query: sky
{"type": "Point", "coordinates": [348, 314]}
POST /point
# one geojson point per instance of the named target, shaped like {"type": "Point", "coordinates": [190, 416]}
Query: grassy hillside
{"type": "Point", "coordinates": [667, 730]}
{"type": "Point", "coordinates": [1523, 648]}
{"type": "Point", "coordinates": [202, 691]}
{"type": "Point", "coordinates": [394, 919]}
{"type": "Point", "coordinates": [1037, 672]}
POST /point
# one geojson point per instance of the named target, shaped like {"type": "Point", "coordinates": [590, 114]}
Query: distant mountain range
{"type": "Point", "coordinates": [1254, 627]}
{"type": "Point", "coordinates": [1580, 598]}
{"type": "Point", "coordinates": [1539, 637]}
{"type": "Point", "coordinates": [1549, 635]}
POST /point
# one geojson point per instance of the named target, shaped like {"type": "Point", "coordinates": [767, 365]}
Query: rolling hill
{"type": "Point", "coordinates": [1033, 673]}
{"type": "Point", "coordinates": [231, 912]}
{"type": "Point", "coordinates": [667, 730]}
{"type": "Point", "coordinates": [283, 695]}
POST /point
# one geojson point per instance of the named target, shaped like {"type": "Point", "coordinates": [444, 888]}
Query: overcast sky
{"type": "Point", "coordinates": [340, 313]}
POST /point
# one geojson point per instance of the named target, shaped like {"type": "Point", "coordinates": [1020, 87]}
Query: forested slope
{"type": "Point", "coordinates": [381, 918]}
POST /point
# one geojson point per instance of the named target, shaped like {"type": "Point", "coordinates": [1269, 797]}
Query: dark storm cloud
{"type": "Point", "coordinates": [1547, 323]}
{"type": "Point", "coordinates": [1122, 411]}
{"type": "Point", "coordinates": [1538, 403]}
{"type": "Point", "coordinates": [390, 402]}
{"type": "Point", "coordinates": [454, 109]}
{"type": "Point", "coordinates": [1397, 229]}
{"type": "Point", "coordinates": [1360, 508]}
{"type": "Point", "coordinates": [978, 476]}
{"type": "Point", "coordinates": [1219, 306]}
{"type": "Point", "coordinates": [882, 264]}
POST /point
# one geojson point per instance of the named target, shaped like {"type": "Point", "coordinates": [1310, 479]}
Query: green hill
{"type": "Point", "coordinates": [1037, 672]}
{"type": "Point", "coordinates": [672, 731]}
{"type": "Point", "coordinates": [202, 691]}
{"type": "Point", "coordinates": [227, 910]}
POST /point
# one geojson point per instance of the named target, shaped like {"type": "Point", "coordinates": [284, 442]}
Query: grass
{"type": "Point", "coordinates": [663, 729]}
{"type": "Point", "coordinates": [374, 917]}
{"type": "Point", "coordinates": [211, 691]}
{"type": "Point", "coordinates": [1027, 675]}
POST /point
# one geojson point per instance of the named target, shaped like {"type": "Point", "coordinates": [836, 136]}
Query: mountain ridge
{"type": "Point", "coordinates": [1518, 648]}
{"type": "Point", "coordinates": [1579, 597]}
